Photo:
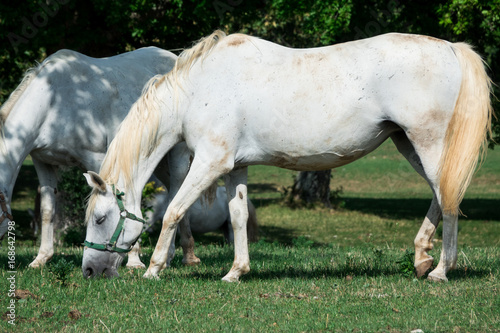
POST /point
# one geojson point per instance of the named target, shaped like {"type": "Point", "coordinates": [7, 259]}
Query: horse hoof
{"type": "Point", "coordinates": [191, 262]}
{"type": "Point", "coordinates": [151, 276]}
{"type": "Point", "coordinates": [36, 264]}
{"type": "Point", "coordinates": [229, 278]}
{"type": "Point", "coordinates": [436, 277]}
{"type": "Point", "coordinates": [136, 266]}
{"type": "Point", "coordinates": [423, 267]}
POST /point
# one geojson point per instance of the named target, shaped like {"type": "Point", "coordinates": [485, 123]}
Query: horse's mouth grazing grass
{"type": "Point", "coordinates": [108, 273]}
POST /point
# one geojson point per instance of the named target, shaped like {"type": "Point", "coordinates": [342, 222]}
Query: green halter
{"type": "Point", "coordinates": [111, 246]}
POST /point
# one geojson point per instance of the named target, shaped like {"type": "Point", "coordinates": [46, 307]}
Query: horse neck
{"type": "Point", "coordinates": [145, 166]}
{"type": "Point", "coordinates": [140, 176]}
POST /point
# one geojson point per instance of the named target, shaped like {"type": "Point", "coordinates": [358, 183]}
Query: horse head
{"type": "Point", "coordinates": [111, 229]}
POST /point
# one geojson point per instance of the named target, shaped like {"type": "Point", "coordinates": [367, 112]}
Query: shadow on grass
{"type": "Point", "coordinates": [254, 188]}
{"type": "Point", "coordinates": [297, 273]}
{"type": "Point", "coordinates": [474, 209]}
{"type": "Point", "coordinates": [264, 202]}
{"type": "Point", "coordinates": [341, 270]}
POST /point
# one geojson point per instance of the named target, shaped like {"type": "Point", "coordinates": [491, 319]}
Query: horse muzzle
{"type": "Point", "coordinates": [97, 263]}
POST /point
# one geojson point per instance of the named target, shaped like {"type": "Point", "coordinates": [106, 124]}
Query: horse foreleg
{"type": "Point", "coordinates": [187, 243]}
{"type": "Point", "coordinates": [199, 178]}
{"type": "Point", "coordinates": [448, 260]}
{"type": "Point", "coordinates": [423, 241]}
{"type": "Point", "coordinates": [47, 212]}
{"type": "Point", "coordinates": [236, 186]}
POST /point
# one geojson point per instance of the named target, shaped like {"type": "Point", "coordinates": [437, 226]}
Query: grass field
{"type": "Point", "coordinates": [313, 270]}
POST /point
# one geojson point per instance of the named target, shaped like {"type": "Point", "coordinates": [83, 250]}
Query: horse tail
{"type": "Point", "coordinates": [467, 133]}
{"type": "Point", "coordinates": [252, 224]}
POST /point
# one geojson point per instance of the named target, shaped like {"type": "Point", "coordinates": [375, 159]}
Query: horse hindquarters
{"type": "Point", "coordinates": [448, 159]}
{"type": "Point", "coordinates": [466, 137]}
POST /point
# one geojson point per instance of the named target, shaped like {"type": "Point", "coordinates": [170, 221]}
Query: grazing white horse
{"type": "Point", "coordinates": [238, 101]}
{"type": "Point", "coordinates": [65, 112]}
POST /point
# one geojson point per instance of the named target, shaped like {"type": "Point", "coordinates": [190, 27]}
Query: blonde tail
{"type": "Point", "coordinates": [467, 133]}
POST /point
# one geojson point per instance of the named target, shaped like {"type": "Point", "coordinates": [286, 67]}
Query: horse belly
{"type": "Point", "coordinates": [313, 150]}
{"type": "Point", "coordinates": [336, 157]}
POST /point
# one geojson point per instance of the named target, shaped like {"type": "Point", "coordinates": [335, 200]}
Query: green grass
{"type": "Point", "coordinates": [296, 289]}
{"type": "Point", "coordinates": [314, 270]}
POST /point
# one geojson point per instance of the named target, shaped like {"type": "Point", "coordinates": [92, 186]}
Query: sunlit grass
{"type": "Point", "coordinates": [290, 288]}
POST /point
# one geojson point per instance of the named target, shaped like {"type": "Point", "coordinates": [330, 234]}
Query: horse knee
{"type": "Point", "coordinates": [172, 217]}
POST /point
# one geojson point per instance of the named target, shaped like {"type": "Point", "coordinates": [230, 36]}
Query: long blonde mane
{"type": "Point", "coordinates": [138, 134]}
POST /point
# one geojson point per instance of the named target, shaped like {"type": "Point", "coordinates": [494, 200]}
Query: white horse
{"type": "Point", "coordinates": [66, 112]}
{"type": "Point", "coordinates": [238, 101]}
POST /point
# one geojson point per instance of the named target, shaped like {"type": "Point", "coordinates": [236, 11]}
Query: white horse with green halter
{"type": "Point", "coordinates": [65, 113]}
{"type": "Point", "coordinates": [238, 101]}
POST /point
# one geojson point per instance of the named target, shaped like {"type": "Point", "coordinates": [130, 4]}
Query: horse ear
{"type": "Point", "coordinates": [95, 181]}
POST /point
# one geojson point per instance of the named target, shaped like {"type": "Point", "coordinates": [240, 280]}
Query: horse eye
{"type": "Point", "coordinates": [100, 220]}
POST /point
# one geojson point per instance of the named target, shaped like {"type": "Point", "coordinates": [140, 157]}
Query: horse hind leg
{"type": "Point", "coordinates": [423, 240]}
{"type": "Point", "coordinates": [187, 243]}
{"type": "Point", "coordinates": [48, 183]}
{"type": "Point", "coordinates": [448, 260]}
{"type": "Point", "coordinates": [429, 151]}
{"type": "Point", "coordinates": [134, 261]}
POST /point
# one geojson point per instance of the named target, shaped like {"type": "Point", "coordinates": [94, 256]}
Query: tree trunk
{"type": "Point", "coordinates": [312, 187]}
